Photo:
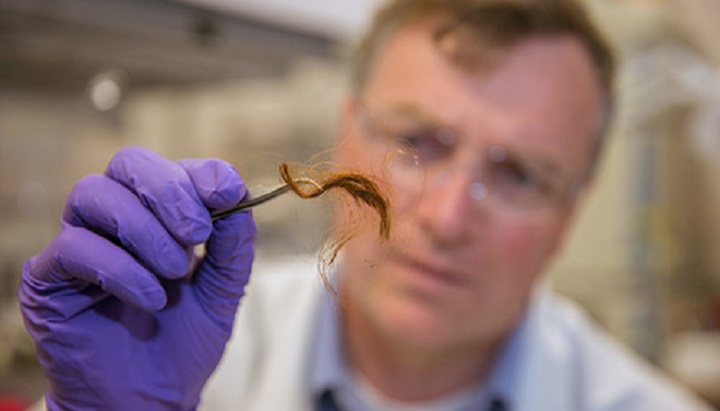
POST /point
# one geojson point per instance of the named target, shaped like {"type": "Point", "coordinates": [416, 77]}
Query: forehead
{"type": "Point", "coordinates": [543, 93]}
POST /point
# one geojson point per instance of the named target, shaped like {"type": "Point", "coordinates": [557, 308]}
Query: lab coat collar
{"type": "Point", "coordinates": [544, 374]}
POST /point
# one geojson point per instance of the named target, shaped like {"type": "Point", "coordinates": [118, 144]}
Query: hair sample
{"type": "Point", "coordinates": [361, 188]}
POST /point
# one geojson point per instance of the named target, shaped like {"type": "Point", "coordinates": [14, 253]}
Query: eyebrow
{"type": "Point", "coordinates": [411, 111]}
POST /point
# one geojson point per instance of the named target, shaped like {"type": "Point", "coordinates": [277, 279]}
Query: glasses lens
{"type": "Point", "coordinates": [404, 168]}
{"type": "Point", "coordinates": [409, 147]}
{"type": "Point", "coordinates": [520, 183]}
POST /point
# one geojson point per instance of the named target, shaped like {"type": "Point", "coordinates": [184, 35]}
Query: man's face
{"type": "Point", "coordinates": [460, 265]}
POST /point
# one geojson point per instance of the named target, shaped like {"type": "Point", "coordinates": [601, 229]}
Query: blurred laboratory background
{"type": "Point", "coordinates": [257, 82]}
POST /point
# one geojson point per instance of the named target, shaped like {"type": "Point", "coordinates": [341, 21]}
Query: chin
{"type": "Point", "coordinates": [417, 322]}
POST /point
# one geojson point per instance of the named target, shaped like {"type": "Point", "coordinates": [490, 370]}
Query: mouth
{"type": "Point", "coordinates": [427, 275]}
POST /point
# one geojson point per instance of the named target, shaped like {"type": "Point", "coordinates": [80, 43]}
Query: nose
{"type": "Point", "coordinates": [445, 208]}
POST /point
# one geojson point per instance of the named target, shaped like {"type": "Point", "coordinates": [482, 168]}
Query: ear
{"type": "Point", "coordinates": [583, 193]}
{"type": "Point", "coordinates": [346, 128]}
{"type": "Point", "coordinates": [348, 111]}
{"type": "Point", "coordinates": [571, 213]}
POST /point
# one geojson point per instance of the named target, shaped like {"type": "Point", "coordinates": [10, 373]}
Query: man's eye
{"type": "Point", "coordinates": [512, 177]}
{"type": "Point", "coordinates": [423, 144]}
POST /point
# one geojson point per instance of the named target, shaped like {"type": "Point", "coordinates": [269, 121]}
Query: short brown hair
{"type": "Point", "coordinates": [492, 26]}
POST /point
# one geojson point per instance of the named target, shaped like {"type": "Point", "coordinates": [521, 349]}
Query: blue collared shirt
{"type": "Point", "coordinates": [329, 372]}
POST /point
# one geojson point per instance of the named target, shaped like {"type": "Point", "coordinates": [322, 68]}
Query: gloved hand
{"type": "Point", "coordinates": [124, 317]}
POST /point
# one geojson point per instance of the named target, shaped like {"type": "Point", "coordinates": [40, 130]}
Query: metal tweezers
{"type": "Point", "coordinates": [252, 200]}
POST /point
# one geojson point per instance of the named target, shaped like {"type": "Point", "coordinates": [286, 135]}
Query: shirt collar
{"type": "Point", "coordinates": [328, 369]}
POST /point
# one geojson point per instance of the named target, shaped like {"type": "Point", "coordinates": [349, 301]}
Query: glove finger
{"type": "Point", "coordinates": [79, 254]}
{"type": "Point", "coordinates": [106, 207]}
{"type": "Point", "coordinates": [216, 182]}
{"type": "Point", "coordinates": [165, 188]}
{"type": "Point", "coordinates": [222, 275]}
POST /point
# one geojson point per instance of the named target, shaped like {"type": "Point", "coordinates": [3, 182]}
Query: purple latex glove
{"type": "Point", "coordinates": [122, 314]}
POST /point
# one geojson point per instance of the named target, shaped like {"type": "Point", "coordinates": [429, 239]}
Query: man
{"type": "Point", "coordinates": [484, 118]}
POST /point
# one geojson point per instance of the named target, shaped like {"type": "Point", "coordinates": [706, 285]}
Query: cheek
{"type": "Point", "coordinates": [526, 249]}
{"type": "Point", "coordinates": [513, 258]}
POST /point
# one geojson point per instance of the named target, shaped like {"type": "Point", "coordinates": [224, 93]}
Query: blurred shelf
{"type": "Point", "coordinates": [60, 44]}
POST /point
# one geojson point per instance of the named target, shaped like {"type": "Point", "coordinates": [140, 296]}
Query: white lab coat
{"type": "Point", "coordinates": [568, 364]}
